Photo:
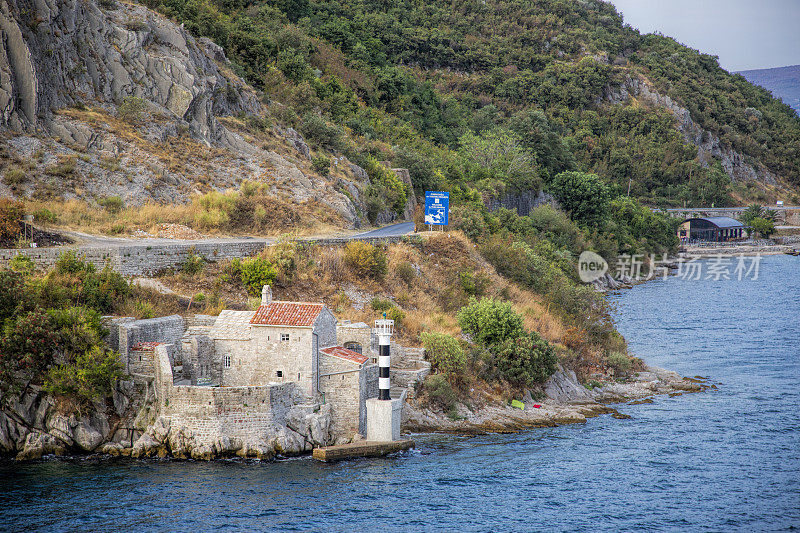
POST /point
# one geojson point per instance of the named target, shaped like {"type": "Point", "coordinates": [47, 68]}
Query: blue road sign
{"type": "Point", "coordinates": [437, 208]}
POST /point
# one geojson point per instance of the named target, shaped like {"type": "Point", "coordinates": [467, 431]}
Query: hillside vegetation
{"type": "Point", "coordinates": [501, 96]}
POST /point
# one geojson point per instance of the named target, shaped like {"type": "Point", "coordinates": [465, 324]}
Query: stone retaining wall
{"type": "Point", "coordinates": [148, 259]}
{"type": "Point", "coordinates": [246, 413]}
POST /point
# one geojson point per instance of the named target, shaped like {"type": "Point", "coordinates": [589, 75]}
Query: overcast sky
{"type": "Point", "coordinates": [745, 34]}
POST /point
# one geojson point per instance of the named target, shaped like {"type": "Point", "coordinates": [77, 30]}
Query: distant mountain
{"type": "Point", "coordinates": [784, 82]}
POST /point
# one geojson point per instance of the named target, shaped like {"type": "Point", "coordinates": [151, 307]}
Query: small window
{"type": "Point", "coordinates": [284, 337]}
{"type": "Point", "coordinates": [354, 347]}
{"type": "Point", "coordinates": [227, 361]}
{"type": "Point", "coordinates": [279, 373]}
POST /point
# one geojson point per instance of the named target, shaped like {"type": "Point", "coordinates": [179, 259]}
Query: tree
{"type": "Point", "coordinates": [499, 154]}
{"type": "Point", "coordinates": [754, 211]}
{"type": "Point", "coordinates": [489, 321]}
{"type": "Point", "coordinates": [444, 352]}
{"type": "Point", "coordinates": [585, 196]}
{"type": "Point", "coordinates": [524, 360]}
{"type": "Point", "coordinates": [763, 227]}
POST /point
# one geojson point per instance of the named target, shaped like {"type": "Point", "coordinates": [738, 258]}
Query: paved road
{"type": "Point", "coordinates": [84, 239]}
{"type": "Point", "coordinates": [395, 230]}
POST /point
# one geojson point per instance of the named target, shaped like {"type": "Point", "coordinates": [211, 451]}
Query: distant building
{"type": "Point", "coordinates": [712, 229]}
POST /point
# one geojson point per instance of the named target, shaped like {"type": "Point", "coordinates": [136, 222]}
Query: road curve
{"type": "Point", "coordinates": [395, 230]}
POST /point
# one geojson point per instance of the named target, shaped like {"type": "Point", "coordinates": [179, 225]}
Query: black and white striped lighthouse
{"type": "Point", "coordinates": [384, 329]}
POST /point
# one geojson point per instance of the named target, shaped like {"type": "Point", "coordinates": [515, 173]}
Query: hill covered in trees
{"type": "Point", "coordinates": [501, 96]}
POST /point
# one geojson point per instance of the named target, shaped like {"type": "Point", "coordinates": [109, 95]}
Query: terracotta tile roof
{"type": "Point", "coordinates": [145, 346]}
{"type": "Point", "coordinates": [232, 325]}
{"type": "Point", "coordinates": [344, 353]}
{"type": "Point", "coordinates": [287, 314]}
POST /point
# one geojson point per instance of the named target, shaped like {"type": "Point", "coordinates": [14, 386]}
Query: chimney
{"type": "Point", "coordinates": [266, 295]}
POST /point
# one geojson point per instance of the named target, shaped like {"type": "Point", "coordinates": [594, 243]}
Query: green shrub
{"type": "Point", "coordinates": [473, 284]}
{"type": "Point", "coordinates": [322, 133]}
{"type": "Point", "coordinates": [77, 282]}
{"type": "Point", "coordinates": [11, 212]}
{"type": "Point", "coordinates": [444, 352]}
{"type": "Point", "coordinates": [45, 215]}
{"type": "Point", "coordinates": [470, 222]}
{"type": "Point", "coordinates": [255, 273]}
{"type": "Point", "coordinates": [585, 196]}
{"type": "Point", "coordinates": [489, 321]}
{"type": "Point", "coordinates": [284, 256]}
{"type": "Point", "coordinates": [79, 328]}
{"type": "Point", "coordinates": [524, 360]}
{"type": "Point", "coordinates": [321, 164]}
{"type": "Point", "coordinates": [193, 265]}
{"type": "Point", "coordinates": [14, 176]}
{"type": "Point", "coordinates": [12, 292]}
{"type": "Point", "coordinates": [438, 393]}
{"type": "Point", "coordinates": [396, 314]}
{"type": "Point", "coordinates": [131, 109]}
{"type": "Point", "coordinates": [144, 309]}
{"type": "Point", "coordinates": [112, 204]}
{"type": "Point", "coordinates": [28, 344]}
{"type": "Point", "coordinates": [763, 227]}
{"type": "Point", "coordinates": [22, 264]}
{"type": "Point", "coordinates": [379, 304]}
{"type": "Point", "coordinates": [620, 362]}
{"type": "Point", "coordinates": [406, 272]}
{"type": "Point", "coordinates": [90, 377]}
{"type": "Point", "coordinates": [365, 259]}
{"type": "Point", "coordinates": [64, 168]}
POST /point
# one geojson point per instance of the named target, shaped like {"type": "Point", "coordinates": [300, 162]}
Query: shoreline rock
{"type": "Point", "coordinates": [567, 402]}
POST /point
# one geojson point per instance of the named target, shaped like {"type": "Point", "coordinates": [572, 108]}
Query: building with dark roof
{"type": "Point", "coordinates": [712, 229]}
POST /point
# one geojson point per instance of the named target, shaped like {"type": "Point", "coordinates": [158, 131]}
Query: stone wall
{"type": "Point", "coordinates": [325, 328]}
{"type": "Point", "coordinates": [266, 355]}
{"type": "Point", "coordinates": [148, 259]}
{"type": "Point", "coordinates": [521, 202]}
{"type": "Point", "coordinates": [360, 333]}
{"type": "Point", "coordinates": [340, 383]}
{"type": "Point", "coordinates": [167, 330]}
{"type": "Point", "coordinates": [246, 413]}
{"type": "Point", "coordinates": [369, 389]}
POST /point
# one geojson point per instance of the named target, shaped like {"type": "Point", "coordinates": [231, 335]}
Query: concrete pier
{"type": "Point", "coordinates": [362, 448]}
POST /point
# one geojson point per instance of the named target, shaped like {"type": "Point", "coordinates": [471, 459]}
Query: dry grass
{"type": "Point", "coordinates": [428, 299]}
{"type": "Point", "coordinates": [279, 216]}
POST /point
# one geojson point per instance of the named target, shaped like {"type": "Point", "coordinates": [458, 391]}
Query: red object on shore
{"type": "Point", "coordinates": [537, 406]}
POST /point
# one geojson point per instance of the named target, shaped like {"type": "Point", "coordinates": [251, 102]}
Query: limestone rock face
{"type": "Point", "coordinates": [67, 65]}
{"type": "Point", "coordinates": [563, 387]}
{"type": "Point", "coordinates": [59, 53]}
{"type": "Point", "coordinates": [710, 149]}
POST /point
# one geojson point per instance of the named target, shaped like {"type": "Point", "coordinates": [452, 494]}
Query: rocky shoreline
{"type": "Point", "coordinates": [34, 426]}
{"type": "Point", "coordinates": [566, 402]}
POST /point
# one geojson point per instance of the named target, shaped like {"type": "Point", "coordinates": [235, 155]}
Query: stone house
{"type": "Point", "coordinates": [283, 342]}
{"type": "Point", "coordinates": [298, 344]}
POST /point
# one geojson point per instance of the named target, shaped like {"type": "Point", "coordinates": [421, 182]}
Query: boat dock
{"type": "Point", "coordinates": [361, 449]}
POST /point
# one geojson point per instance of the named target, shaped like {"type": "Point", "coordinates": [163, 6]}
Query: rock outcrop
{"type": "Point", "coordinates": [710, 149]}
{"type": "Point", "coordinates": [66, 67]}
{"type": "Point", "coordinates": [565, 401]}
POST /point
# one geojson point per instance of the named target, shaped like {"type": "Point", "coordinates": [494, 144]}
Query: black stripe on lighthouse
{"type": "Point", "coordinates": [383, 372]}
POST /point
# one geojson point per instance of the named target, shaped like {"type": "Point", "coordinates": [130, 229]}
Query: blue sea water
{"type": "Point", "coordinates": [721, 460]}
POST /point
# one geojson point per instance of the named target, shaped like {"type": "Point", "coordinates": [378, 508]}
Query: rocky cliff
{"type": "Point", "coordinates": [66, 67]}
{"type": "Point", "coordinates": [35, 424]}
{"type": "Point", "coordinates": [739, 167]}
